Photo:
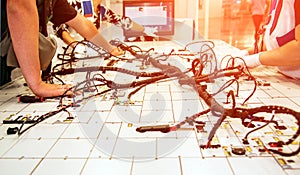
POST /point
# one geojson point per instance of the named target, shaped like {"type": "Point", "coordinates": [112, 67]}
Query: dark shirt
{"type": "Point", "coordinates": [57, 11]}
{"type": "Point", "coordinates": [62, 12]}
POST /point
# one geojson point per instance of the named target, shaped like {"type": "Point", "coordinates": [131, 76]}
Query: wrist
{"type": "Point", "coordinates": [100, 41]}
{"type": "Point", "coordinates": [35, 86]}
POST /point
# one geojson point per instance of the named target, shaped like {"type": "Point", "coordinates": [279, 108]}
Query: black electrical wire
{"type": "Point", "coordinates": [201, 42]}
{"type": "Point", "coordinates": [258, 128]}
{"type": "Point", "coordinates": [168, 71]}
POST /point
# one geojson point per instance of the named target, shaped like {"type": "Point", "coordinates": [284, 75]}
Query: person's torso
{"type": "Point", "coordinates": [281, 24]}
{"type": "Point", "coordinates": [280, 30]}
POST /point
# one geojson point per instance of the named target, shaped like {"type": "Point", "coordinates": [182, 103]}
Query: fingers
{"type": "Point", "coordinates": [117, 51]}
{"type": "Point", "coordinates": [52, 90]}
{"type": "Point", "coordinates": [66, 90]}
{"type": "Point", "coordinates": [55, 90]}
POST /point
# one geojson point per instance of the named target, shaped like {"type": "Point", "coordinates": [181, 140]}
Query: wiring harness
{"type": "Point", "coordinates": [204, 68]}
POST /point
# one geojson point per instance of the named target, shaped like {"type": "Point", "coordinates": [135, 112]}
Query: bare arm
{"type": "Point", "coordinates": [67, 38]}
{"type": "Point", "coordinates": [23, 25]}
{"type": "Point", "coordinates": [287, 55]}
{"type": "Point", "coordinates": [87, 29]}
{"type": "Point", "coordinates": [83, 26]}
{"type": "Point", "coordinates": [95, 4]}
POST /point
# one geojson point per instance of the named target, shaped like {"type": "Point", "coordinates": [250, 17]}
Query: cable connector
{"type": "Point", "coordinates": [161, 128]}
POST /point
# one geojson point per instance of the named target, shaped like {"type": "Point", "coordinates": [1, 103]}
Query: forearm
{"type": "Point", "coordinates": [287, 55]}
{"type": "Point", "coordinates": [87, 30]}
{"type": "Point", "coordinates": [96, 3]}
{"type": "Point", "coordinates": [23, 25]}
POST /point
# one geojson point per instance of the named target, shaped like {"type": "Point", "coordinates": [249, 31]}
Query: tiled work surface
{"type": "Point", "coordinates": [102, 137]}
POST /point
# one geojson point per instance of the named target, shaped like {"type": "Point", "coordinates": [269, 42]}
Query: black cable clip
{"type": "Point", "coordinates": [11, 131]}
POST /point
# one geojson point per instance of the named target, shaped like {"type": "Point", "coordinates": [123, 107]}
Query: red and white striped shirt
{"type": "Point", "coordinates": [281, 29]}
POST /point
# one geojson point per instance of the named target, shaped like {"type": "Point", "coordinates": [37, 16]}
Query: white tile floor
{"type": "Point", "coordinates": [101, 139]}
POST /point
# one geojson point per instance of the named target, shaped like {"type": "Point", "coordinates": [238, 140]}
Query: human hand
{"type": "Point", "coordinates": [51, 90]}
{"type": "Point", "coordinates": [150, 31]}
{"type": "Point", "coordinates": [251, 61]}
{"type": "Point", "coordinates": [116, 51]}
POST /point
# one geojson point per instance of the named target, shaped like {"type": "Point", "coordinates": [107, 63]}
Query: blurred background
{"type": "Point", "coordinates": [227, 20]}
